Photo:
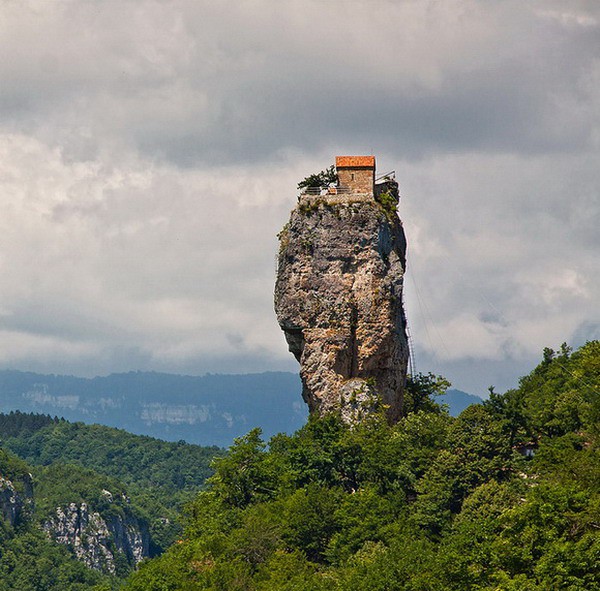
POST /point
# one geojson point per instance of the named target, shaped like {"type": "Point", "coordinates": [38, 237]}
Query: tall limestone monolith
{"type": "Point", "coordinates": [338, 293]}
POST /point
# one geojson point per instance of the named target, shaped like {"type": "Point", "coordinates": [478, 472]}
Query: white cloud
{"type": "Point", "coordinates": [149, 153]}
{"type": "Point", "coordinates": [138, 254]}
{"type": "Point", "coordinates": [505, 261]}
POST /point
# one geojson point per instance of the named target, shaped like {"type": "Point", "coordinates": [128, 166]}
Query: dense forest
{"type": "Point", "coordinates": [124, 479]}
{"type": "Point", "coordinates": [137, 460]}
{"type": "Point", "coordinates": [505, 497]}
{"type": "Point", "coordinates": [28, 559]}
{"type": "Point", "coordinates": [160, 476]}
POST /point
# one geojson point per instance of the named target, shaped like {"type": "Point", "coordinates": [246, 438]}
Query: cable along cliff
{"type": "Point", "coordinates": [338, 293]}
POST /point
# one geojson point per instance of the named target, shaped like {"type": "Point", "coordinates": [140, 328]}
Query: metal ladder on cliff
{"type": "Point", "coordinates": [412, 367]}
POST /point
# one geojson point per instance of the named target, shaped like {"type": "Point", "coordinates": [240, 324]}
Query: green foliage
{"type": "Point", "coordinates": [388, 196]}
{"type": "Point", "coordinates": [41, 562]}
{"type": "Point", "coordinates": [420, 390]}
{"type": "Point", "coordinates": [320, 179]}
{"type": "Point", "coordinates": [365, 517]}
{"type": "Point", "coordinates": [30, 562]}
{"type": "Point", "coordinates": [131, 458]}
{"type": "Point", "coordinates": [117, 474]}
{"type": "Point", "coordinates": [12, 467]}
{"type": "Point", "coordinates": [17, 423]}
{"type": "Point", "coordinates": [431, 503]}
{"type": "Point", "coordinates": [243, 476]}
{"type": "Point", "coordinates": [289, 571]}
{"type": "Point", "coordinates": [561, 394]}
{"type": "Point", "coordinates": [284, 238]}
{"type": "Point", "coordinates": [160, 476]}
{"type": "Point", "coordinates": [389, 203]}
{"type": "Point", "coordinates": [408, 564]}
{"type": "Point", "coordinates": [310, 520]}
{"type": "Point", "coordinates": [62, 484]}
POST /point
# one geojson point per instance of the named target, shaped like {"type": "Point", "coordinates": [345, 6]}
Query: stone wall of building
{"type": "Point", "coordinates": [358, 180]}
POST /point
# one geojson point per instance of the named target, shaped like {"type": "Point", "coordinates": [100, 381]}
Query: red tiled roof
{"type": "Point", "coordinates": [355, 162]}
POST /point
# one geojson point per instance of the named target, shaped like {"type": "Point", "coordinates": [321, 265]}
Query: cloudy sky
{"type": "Point", "coordinates": [150, 150]}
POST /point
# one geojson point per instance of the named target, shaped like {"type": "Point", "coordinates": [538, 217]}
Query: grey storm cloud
{"type": "Point", "coordinates": [199, 82]}
{"type": "Point", "coordinates": [149, 153]}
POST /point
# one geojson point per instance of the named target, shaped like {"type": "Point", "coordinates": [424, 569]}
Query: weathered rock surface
{"type": "Point", "coordinates": [338, 299]}
{"type": "Point", "coordinates": [15, 497]}
{"type": "Point", "coordinates": [96, 540]}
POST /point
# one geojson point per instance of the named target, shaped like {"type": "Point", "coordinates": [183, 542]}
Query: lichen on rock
{"type": "Point", "coordinates": [338, 300]}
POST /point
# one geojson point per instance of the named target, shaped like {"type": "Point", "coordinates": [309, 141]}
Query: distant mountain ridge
{"type": "Point", "coordinates": [457, 401]}
{"type": "Point", "coordinates": [207, 410]}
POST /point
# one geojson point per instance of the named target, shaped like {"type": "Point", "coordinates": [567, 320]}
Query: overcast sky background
{"type": "Point", "coordinates": [150, 151]}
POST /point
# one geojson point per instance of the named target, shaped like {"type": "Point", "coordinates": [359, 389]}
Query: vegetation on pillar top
{"type": "Point", "coordinates": [320, 179]}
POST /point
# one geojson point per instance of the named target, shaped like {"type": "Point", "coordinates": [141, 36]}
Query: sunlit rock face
{"type": "Point", "coordinates": [97, 541]}
{"type": "Point", "coordinates": [338, 294]}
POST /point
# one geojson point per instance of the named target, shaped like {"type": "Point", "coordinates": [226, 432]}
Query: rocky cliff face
{"type": "Point", "coordinates": [338, 299]}
{"type": "Point", "coordinates": [15, 498]}
{"type": "Point", "coordinates": [97, 541]}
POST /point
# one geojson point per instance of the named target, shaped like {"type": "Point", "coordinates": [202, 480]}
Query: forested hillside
{"type": "Point", "coordinates": [29, 559]}
{"type": "Point", "coordinates": [506, 497]}
{"type": "Point", "coordinates": [135, 459]}
{"type": "Point", "coordinates": [161, 476]}
{"type": "Point", "coordinates": [83, 504]}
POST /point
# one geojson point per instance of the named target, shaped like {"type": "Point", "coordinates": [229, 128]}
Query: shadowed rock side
{"type": "Point", "coordinates": [16, 496]}
{"type": "Point", "coordinates": [338, 299]}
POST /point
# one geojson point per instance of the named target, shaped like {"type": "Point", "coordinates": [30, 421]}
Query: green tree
{"type": "Point", "coordinates": [244, 476]}
{"type": "Point", "coordinates": [320, 179]}
{"type": "Point", "coordinates": [420, 392]}
{"type": "Point", "coordinates": [310, 520]}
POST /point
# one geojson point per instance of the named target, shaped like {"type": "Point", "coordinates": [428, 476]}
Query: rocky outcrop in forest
{"type": "Point", "coordinates": [97, 540]}
{"type": "Point", "coordinates": [338, 293]}
{"type": "Point", "coordinates": [15, 497]}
